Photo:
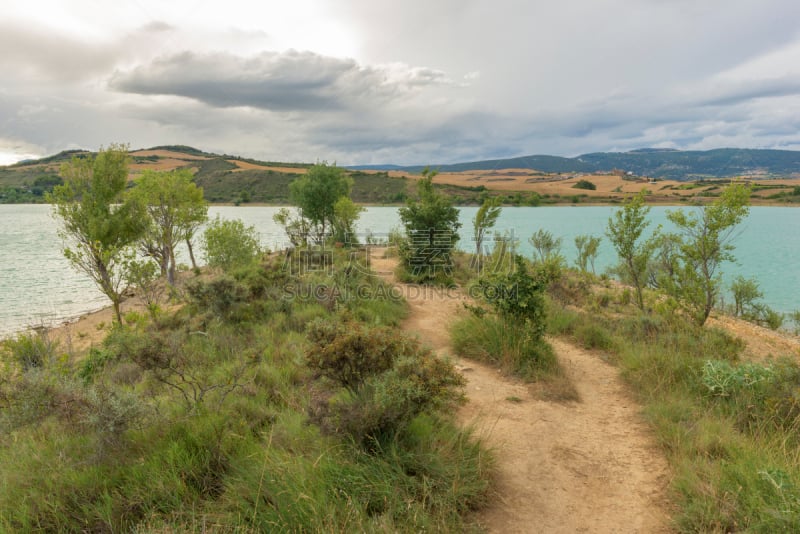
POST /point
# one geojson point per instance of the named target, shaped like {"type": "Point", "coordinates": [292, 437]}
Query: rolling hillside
{"type": "Point", "coordinates": [531, 181]}
{"type": "Point", "coordinates": [655, 163]}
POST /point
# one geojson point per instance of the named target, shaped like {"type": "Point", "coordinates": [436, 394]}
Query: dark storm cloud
{"type": "Point", "coordinates": [287, 81]}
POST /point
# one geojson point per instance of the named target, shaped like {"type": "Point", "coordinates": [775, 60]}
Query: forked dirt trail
{"type": "Point", "coordinates": [588, 466]}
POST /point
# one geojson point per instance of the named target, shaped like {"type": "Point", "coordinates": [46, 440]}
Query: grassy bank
{"type": "Point", "coordinates": [242, 411]}
{"type": "Point", "coordinates": [729, 427]}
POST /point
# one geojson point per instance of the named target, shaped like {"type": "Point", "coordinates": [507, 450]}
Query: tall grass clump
{"type": "Point", "coordinates": [494, 340]}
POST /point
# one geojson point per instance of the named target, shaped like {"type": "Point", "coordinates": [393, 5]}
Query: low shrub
{"type": "Point", "coordinates": [31, 350]}
{"type": "Point", "coordinates": [585, 184]}
{"type": "Point", "coordinates": [387, 380]}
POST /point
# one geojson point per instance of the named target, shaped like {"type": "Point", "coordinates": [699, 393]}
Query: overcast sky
{"type": "Point", "coordinates": [407, 82]}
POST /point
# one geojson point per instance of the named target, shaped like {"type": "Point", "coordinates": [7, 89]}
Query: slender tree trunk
{"type": "Point", "coordinates": [117, 313]}
{"type": "Point", "coordinates": [171, 270]}
{"type": "Point", "coordinates": [191, 253]}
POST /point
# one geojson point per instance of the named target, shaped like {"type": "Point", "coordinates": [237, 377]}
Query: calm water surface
{"type": "Point", "coordinates": [37, 285]}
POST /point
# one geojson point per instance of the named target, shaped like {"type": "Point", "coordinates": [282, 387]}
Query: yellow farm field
{"type": "Point", "coordinates": [246, 166]}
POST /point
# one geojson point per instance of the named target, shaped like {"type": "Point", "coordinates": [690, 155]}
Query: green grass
{"type": "Point", "coordinates": [202, 422]}
{"type": "Point", "coordinates": [730, 430]}
{"type": "Point", "coordinates": [492, 340]}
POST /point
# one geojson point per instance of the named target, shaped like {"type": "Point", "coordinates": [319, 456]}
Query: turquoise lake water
{"type": "Point", "coordinates": [37, 285]}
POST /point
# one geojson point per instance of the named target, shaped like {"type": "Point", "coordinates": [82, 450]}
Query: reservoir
{"type": "Point", "coordinates": [38, 286]}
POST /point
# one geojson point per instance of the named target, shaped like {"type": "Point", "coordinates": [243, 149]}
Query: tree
{"type": "Point", "coordinates": [176, 208]}
{"type": "Point", "coordinates": [431, 224]}
{"type": "Point", "coordinates": [97, 224]}
{"type": "Point", "coordinates": [229, 243]}
{"type": "Point", "coordinates": [316, 193]}
{"type": "Point", "coordinates": [624, 229]}
{"type": "Point", "coordinates": [295, 225]}
{"type": "Point", "coordinates": [484, 220]}
{"type": "Point", "coordinates": [588, 247]}
{"type": "Point", "coordinates": [345, 214]}
{"type": "Point", "coordinates": [545, 245]}
{"type": "Point", "coordinates": [745, 294]}
{"type": "Point", "coordinates": [705, 242]}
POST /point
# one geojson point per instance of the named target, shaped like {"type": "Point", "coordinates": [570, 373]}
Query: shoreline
{"type": "Point", "coordinates": [584, 201]}
{"type": "Point", "coordinates": [77, 334]}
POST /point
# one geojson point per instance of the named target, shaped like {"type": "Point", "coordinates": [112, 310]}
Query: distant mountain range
{"type": "Point", "coordinates": [652, 162]}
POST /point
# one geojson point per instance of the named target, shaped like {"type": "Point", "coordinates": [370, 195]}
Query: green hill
{"type": "Point", "coordinates": [657, 163]}
{"type": "Point", "coordinates": [220, 177]}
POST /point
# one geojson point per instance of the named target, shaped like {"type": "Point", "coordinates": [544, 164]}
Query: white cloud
{"type": "Point", "coordinates": [405, 82]}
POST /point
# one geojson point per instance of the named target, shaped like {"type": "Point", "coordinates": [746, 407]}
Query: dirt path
{"type": "Point", "coordinates": [589, 466]}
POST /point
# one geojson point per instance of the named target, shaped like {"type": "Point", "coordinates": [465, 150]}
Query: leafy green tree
{"type": "Point", "coordinates": [316, 192]}
{"type": "Point", "coordinates": [176, 208]}
{"type": "Point", "coordinates": [345, 214]}
{"type": "Point", "coordinates": [624, 230]}
{"type": "Point", "coordinates": [545, 245]}
{"type": "Point", "coordinates": [484, 220]}
{"type": "Point", "coordinates": [230, 243]}
{"type": "Point", "coordinates": [431, 225]}
{"type": "Point", "coordinates": [143, 276]}
{"type": "Point", "coordinates": [705, 243]}
{"type": "Point", "coordinates": [588, 247]}
{"type": "Point", "coordinates": [97, 224]}
{"type": "Point", "coordinates": [295, 225]}
{"type": "Point", "coordinates": [745, 294]}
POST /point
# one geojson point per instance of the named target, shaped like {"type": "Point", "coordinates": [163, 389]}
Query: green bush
{"type": "Point", "coordinates": [349, 353]}
{"type": "Point", "coordinates": [219, 297]}
{"type": "Point", "coordinates": [517, 296]}
{"type": "Point", "coordinates": [229, 243]}
{"type": "Point", "coordinates": [387, 380]}
{"type": "Point", "coordinates": [584, 184]}
{"type": "Point", "coordinates": [31, 350]}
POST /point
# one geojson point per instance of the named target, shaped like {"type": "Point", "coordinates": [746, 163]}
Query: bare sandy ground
{"type": "Point", "coordinates": [589, 466]}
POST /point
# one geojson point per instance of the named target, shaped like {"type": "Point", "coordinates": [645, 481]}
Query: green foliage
{"type": "Point", "coordinates": [723, 379]}
{"type": "Point", "coordinates": [176, 209]}
{"type": "Point", "coordinates": [31, 350]}
{"type": "Point", "coordinates": [585, 184]}
{"type": "Point", "coordinates": [624, 230]}
{"type": "Point", "coordinates": [764, 315]}
{"type": "Point", "coordinates": [729, 428]}
{"type": "Point", "coordinates": [221, 297]}
{"type": "Point", "coordinates": [745, 294]}
{"type": "Point", "coordinates": [229, 243]}
{"type": "Point", "coordinates": [795, 318]}
{"type": "Point", "coordinates": [545, 245]}
{"type": "Point", "coordinates": [484, 220]}
{"type": "Point", "coordinates": [431, 226]}
{"type": "Point", "coordinates": [97, 224]}
{"type": "Point", "coordinates": [200, 421]}
{"type": "Point", "coordinates": [316, 193]}
{"type": "Point", "coordinates": [296, 226]}
{"type": "Point", "coordinates": [495, 339]}
{"type": "Point", "coordinates": [345, 214]}
{"type": "Point", "coordinates": [142, 275]}
{"type": "Point", "coordinates": [517, 296]}
{"type": "Point", "coordinates": [349, 353]}
{"type": "Point", "coordinates": [588, 247]}
{"type": "Point", "coordinates": [704, 239]}
{"type": "Point", "coordinates": [389, 380]}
